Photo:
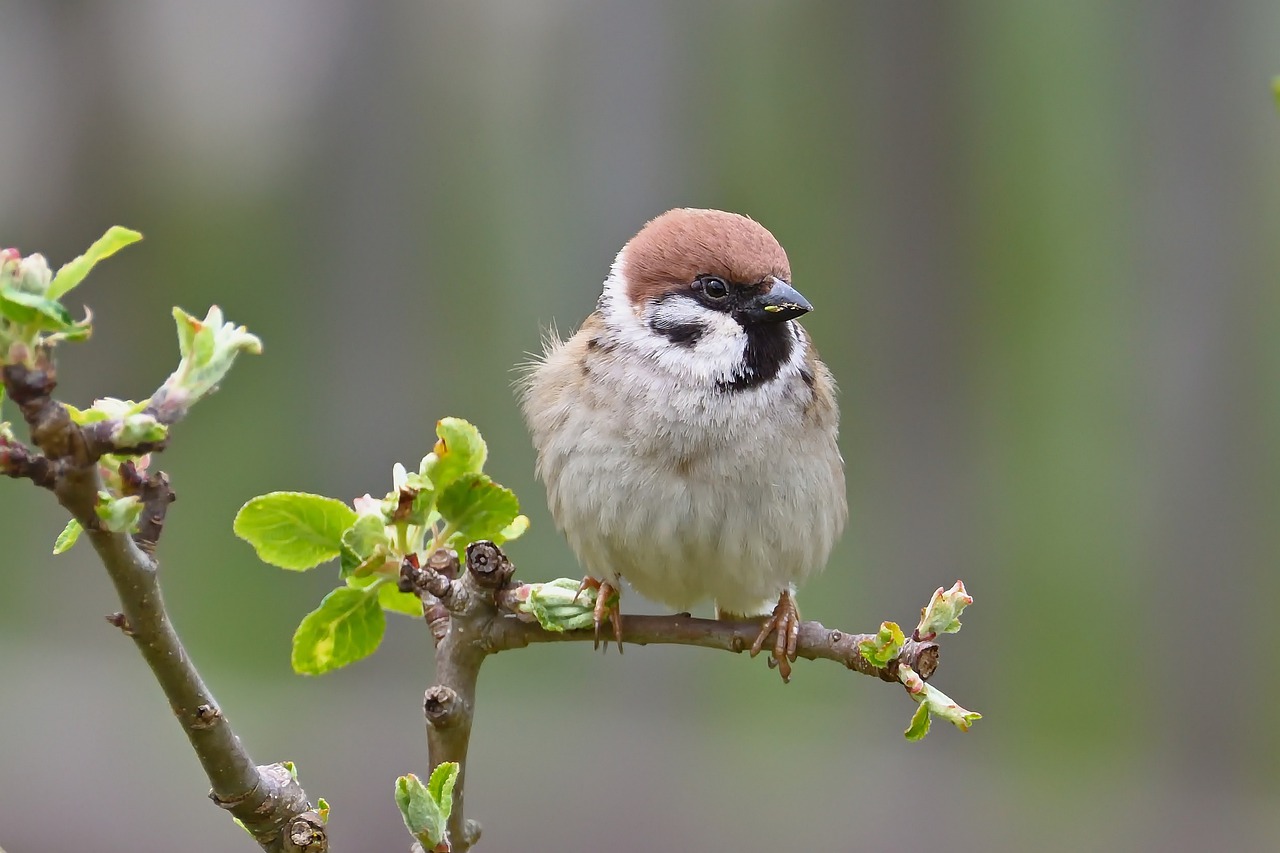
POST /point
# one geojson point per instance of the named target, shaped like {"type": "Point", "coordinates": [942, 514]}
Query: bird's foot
{"type": "Point", "coordinates": [607, 606]}
{"type": "Point", "coordinates": [785, 622]}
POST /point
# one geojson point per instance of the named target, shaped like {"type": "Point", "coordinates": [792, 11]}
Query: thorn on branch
{"type": "Point", "coordinates": [489, 565]}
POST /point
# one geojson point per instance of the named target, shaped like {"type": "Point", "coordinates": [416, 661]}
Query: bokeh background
{"type": "Point", "coordinates": [1042, 241]}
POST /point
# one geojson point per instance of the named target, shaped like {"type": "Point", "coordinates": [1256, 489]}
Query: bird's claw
{"type": "Point", "coordinates": [607, 606]}
{"type": "Point", "coordinates": [785, 621]}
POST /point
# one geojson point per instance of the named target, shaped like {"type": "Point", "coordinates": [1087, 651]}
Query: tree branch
{"type": "Point", "coordinates": [474, 615]}
{"type": "Point", "coordinates": [267, 800]}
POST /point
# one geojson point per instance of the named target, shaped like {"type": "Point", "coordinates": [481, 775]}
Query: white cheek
{"type": "Point", "coordinates": [716, 356]}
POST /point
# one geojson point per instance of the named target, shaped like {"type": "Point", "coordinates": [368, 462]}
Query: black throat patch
{"type": "Point", "coordinates": [769, 345]}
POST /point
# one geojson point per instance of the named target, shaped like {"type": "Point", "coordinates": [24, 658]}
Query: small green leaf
{"type": "Point", "coordinates": [119, 515]}
{"type": "Point", "coordinates": [105, 246]}
{"type": "Point", "coordinates": [514, 530]}
{"type": "Point", "coordinates": [29, 309]}
{"type": "Point", "coordinates": [440, 787]}
{"type": "Point", "coordinates": [322, 809]}
{"type": "Point", "coordinates": [426, 809]}
{"type": "Point", "coordinates": [209, 347]}
{"type": "Point", "coordinates": [942, 614]}
{"type": "Point", "coordinates": [459, 451]}
{"type": "Point", "coordinates": [884, 646]}
{"type": "Point", "coordinates": [919, 723]}
{"type": "Point", "coordinates": [477, 508]}
{"type": "Point", "coordinates": [934, 703]}
{"type": "Point", "coordinates": [105, 409]}
{"type": "Point", "coordinates": [360, 541]}
{"type": "Point", "coordinates": [139, 429]}
{"type": "Point", "coordinates": [347, 626]}
{"type": "Point", "coordinates": [67, 537]}
{"type": "Point", "coordinates": [294, 530]}
{"type": "Point", "coordinates": [395, 601]}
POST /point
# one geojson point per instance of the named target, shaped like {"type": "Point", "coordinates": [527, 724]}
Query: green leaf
{"type": "Point", "coordinates": [139, 429]}
{"type": "Point", "coordinates": [440, 787]}
{"type": "Point", "coordinates": [395, 601]}
{"type": "Point", "coordinates": [347, 626]}
{"type": "Point", "coordinates": [933, 703]}
{"type": "Point", "coordinates": [209, 347]}
{"type": "Point", "coordinates": [477, 508]}
{"type": "Point", "coordinates": [31, 309]}
{"type": "Point", "coordinates": [919, 723]}
{"type": "Point", "coordinates": [426, 808]}
{"type": "Point", "coordinates": [361, 541]}
{"type": "Point", "coordinates": [941, 614]}
{"type": "Point", "coordinates": [459, 451]}
{"type": "Point", "coordinates": [881, 649]}
{"type": "Point", "coordinates": [67, 537]}
{"type": "Point", "coordinates": [105, 246]}
{"type": "Point", "coordinates": [294, 530]}
{"type": "Point", "coordinates": [322, 809]}
{"type": "Point", "coordinates": [514, 530]}
{"type": "Point", "coordinates": [118, 515]}
{"type": "Point", "coordinates": [105, 409]}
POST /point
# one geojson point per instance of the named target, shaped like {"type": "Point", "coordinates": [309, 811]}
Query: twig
{"type": "Point", "coordinates": [267, 800]}
{"type": "Point", "coordinates": [473, 616]}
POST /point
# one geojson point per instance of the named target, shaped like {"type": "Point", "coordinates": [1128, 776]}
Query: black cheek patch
{"type": "Point", "coordinates": [681, 334]}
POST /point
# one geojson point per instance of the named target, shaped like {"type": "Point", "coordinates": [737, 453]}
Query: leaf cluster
{"type": "Point", "coordinates": [447, 503]}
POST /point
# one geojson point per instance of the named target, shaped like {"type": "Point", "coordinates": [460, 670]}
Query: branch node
{"type": "Point", "coordinates": [120, 621]}
{"type": "Point", "coordinates": [438, 619]}
{"type": "Point", "coordinates": [471, 833]}
{"type": "Point", "coordinates": [488, 565]}
{"type": "Point", "coordinates": [156, 494]}
{"type": "Point", "coordinates": [230, 803]}
{"type": "Point", "coordinates": [428, 579]}
{"type": "Point", "coordinates": [442, 706]}
{"type": "Point", "coordinates": [206, 717]}
{"type": "Point", "coordinates": [306, 834]}
{"type": "Point", "coordinates": [444, 561]}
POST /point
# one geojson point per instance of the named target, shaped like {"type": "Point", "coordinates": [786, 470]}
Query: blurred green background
{"type": "Point", "coordinates": [1041, 239]}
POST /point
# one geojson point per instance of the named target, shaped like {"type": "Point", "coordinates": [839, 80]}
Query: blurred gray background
{"type": "Point", "coordinates": [1041, 239]}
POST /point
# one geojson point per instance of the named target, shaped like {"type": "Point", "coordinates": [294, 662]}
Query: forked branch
{"type": "Point", "coordinates": [267, 800]}
{"type": "Point", "coordinates": [476, 613]}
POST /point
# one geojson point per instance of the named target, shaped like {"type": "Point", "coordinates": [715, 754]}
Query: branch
{"type": "Point", "coordinates": [475, 615]}
{"type": "Point", "coordinates": [267, 800]}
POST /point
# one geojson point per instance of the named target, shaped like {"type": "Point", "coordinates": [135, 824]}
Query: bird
{"type": "Point", "coordinates": [686, 433]}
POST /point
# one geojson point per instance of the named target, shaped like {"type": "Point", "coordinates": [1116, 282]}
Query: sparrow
{"type": "Point", "coordinates": [686, 433]}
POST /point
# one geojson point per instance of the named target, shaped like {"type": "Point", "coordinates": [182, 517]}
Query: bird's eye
{"type": "Point", "coordinates": [713, 286]}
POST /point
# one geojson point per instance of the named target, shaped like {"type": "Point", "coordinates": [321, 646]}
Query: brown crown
{"type": "Point", "coordinates": [676, 247]}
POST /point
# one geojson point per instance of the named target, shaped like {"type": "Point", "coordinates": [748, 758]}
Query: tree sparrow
{"type": "Point", "coordinates": [687, 432]}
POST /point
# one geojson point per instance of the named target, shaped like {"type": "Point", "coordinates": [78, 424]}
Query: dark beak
{"type": "Point", "coordinates": [780, 302]}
